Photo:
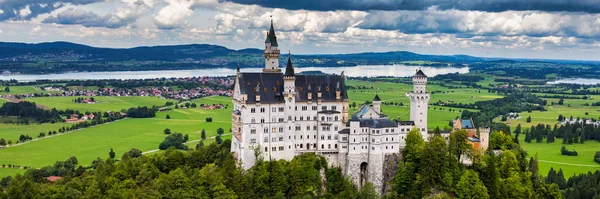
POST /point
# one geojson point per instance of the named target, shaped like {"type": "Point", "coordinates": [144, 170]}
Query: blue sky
{"type": "Point", "coordinates": [553, 29]}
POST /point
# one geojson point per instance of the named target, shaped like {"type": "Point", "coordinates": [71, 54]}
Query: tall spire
{"type": "Point", "coordinates": [271, 38]}
{"type": "Point", "coordinates": [289, 69]}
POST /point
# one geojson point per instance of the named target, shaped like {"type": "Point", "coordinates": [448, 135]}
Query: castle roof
{"type": "Point", "coordinates": [270, 87]}
{"type": "Point", "coordinates": [419, 73]}
{"type": "Point", "coordinates": [289, 69]}
{"type": "Point", "coordinates": [376, 99]}
{"type": "Point", "coordinates": [271, 38]}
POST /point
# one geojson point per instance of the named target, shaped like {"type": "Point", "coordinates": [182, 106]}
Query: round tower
{"type": "Point", "coordinates": [419, 102]}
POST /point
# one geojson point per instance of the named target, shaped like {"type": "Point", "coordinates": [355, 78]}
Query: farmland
{"type": "Point", "coordinates": [144, 134]}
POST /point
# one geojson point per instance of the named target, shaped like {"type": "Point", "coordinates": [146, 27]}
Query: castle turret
{"type": "Point", "coordinates": [484, 138]}
{"type": "Point", "coordinates": [377, 104]}
{"type": "Point", "coordinates": [271, 52]}
{"type": "Point", "coordinates": [419, 102]}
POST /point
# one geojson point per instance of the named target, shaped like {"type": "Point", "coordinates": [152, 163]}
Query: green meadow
{"type": "Point", "coordinates": [13, 131]}
{"type": "Point", "coordinates": [549, 156]}
{"type": "Point", "coordinates": [145, 134]}
{"type": "Point", "coordinates": [14, 90]}
{"type": "Point", "coordinates": [104, 103]}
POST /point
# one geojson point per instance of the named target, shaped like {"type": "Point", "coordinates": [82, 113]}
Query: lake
{"type": "Point", "coordinates": [582, 81]}
{"type": "Point", "coordinates": [354, 71]}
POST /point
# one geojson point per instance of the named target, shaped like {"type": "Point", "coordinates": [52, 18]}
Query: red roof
{"type": "Point", "coordinates": [53, 178]}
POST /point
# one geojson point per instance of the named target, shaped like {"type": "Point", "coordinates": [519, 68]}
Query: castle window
{"type": "Point", "coordinates": [328, 137]}
{"type": "Point", "coordinates": [281, 148]}
{"type": "Point", "coordinates": [327, 88]}
{"type": "Point", "coordinates": [298, 128]}
{"type": "Point", "coordinates": [266, 139]}
{"type": "Point", "coordinates": [252, 110]}
{"type": "Point", "coordinates": [336, 146]}
{"type": "Point", "coordinates": [266, 149]}
{"type": "Point", "coordinates": [266, 130]}
{"type": "Point", "coordinates": [274, 148]}
{"type": "Point", "coordinates": [274, 89]}
{"type": "Point", "coordinates": [329, 146]}
{"type": "Point", "coordinates": [314, 108]}
{"type": "Point", "coordinates": [308, 128]}
{"type": "Point", "coordinates": [274, 130]}
{"type": "Point", "coordinates": [281, 129]}
{"type": "Point", "coordinates": [262, 120]}
{"type": "Point", "coordinates": [252, 131]}
{"type": "Point", "coordinates": [280, 109]}
{"type": "Point", "coordinates": [273, 109]}
{"type": "Point", "coordinates": [253, 120]}
{"type": "Point", "coordinates": [333, 108]}
{"type": "Point", "coordinates": [336, 118]}
{"type": "Point", "coordinates": [274, 139]}
{"type": "Point", "coordinates": [322, 146]}
{"type": "Point", "coordinates": [262, 110]}
{"type": "Point", "coordinates": [315, 128]}
{"type": "Point", "coordinates": [300, 145]}
{"type": "Point", "coordinates": [323, 108]}
{"type": "Point", "coordinates": [335, 128]}
{"type": "Point", "coordinates": [322, 137]}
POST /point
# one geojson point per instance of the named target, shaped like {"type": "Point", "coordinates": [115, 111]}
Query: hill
{"type": "Point", "coordinates": [58, 57]}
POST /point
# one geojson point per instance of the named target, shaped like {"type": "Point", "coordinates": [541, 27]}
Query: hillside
{"type": "Point", "coordinates": [57, 57]}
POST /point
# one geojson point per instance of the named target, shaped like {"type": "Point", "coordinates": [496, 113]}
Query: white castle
{"type": "Point", "coordinates": [280, 115]}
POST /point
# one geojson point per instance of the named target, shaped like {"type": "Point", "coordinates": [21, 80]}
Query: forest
{"type": "Point", "coordinates": [26, 109]}
{"type": "Point", "coordinates": [429, 169]}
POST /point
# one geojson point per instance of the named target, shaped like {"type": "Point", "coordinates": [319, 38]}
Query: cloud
{"type": "Point", "coordinates": [28, 9]}
{"type": "Point", "coordinates": [72, 16]}
{"type": "Point", "coordinates": [590, 6]}
{"type": "Point", "coordinates": [174, 15]}
{"type": "Point", "coordinates": [471, 23]}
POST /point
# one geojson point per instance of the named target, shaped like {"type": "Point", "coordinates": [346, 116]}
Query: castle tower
{"type": "Point", "coordinates": [271, 52]}
{"type": "Point", "coordinates": [289, 93]}
{"type": "Point", "coordinates": [484, 137]}
{"type": "Point", "coordinates": [377, 104]}
{"type": "Point", "coordinates": [419, 102]}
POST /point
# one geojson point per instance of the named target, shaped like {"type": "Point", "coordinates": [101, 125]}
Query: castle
{"type": "Point", "coordinates": [281, 114]}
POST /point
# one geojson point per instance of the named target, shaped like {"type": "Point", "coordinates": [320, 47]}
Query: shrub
{"type": "Point", "coordinates": [565, 151]}
{"type": "Point", "coordinates": [597, 157]}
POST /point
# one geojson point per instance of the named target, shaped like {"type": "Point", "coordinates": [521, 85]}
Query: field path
{"type": "Point", "coordinates": [59, 134]}
{"type": "Point", "coordinates": [188, 142]}
{"type": "Point", "coordinates": [36, 89]}
{"type": "Point", "coordinates": [570, 164]}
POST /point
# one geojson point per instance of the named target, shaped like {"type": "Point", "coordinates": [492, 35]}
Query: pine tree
{"type": "Point", "coordinates": [111, 154]}
{"type": "Point", "coordinates": [470, 186]}
{"type": "Point", "coordinates": [203, 134]}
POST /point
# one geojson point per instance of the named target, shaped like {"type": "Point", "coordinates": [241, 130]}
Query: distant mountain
{"type": "Point", "coordinates": [58, 57]}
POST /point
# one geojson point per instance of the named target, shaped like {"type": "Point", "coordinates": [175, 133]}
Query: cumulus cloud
{"type": "Point", "coordinates": [591, 6]}
{"type": "Point", "coordinates": [174, 15]}
{"type": "Point", "coordinates": [469, 23]}
{"type": "Point", "coordinates": [90, 19]}
{"type": "Point", "coordinates": [28, 9]}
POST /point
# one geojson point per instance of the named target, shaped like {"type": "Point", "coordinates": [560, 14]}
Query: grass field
{"type": "Point", "coordinates": [13, 131]}
{"type": "Point", "coordinates": [144, 134]}
{"type": "Point", "coordinates": [549, 156]}
{"type": "Point", "coordinates": [24, 90]}
{"type": "Point", "coordinates": [105, 103]}
{"type": "Point", "coordinates": [551, 115]}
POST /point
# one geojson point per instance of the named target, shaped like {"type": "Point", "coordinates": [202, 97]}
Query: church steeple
{"type": "Point", "coordinates": [289, 69]}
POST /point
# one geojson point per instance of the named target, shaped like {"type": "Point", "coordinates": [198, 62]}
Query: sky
{"type": "Point", "coordinates": [548, 29]}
